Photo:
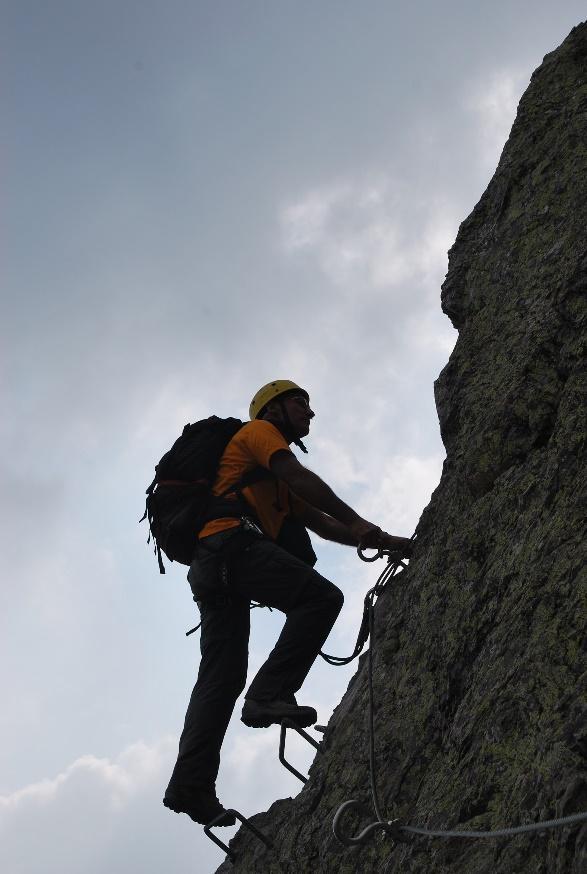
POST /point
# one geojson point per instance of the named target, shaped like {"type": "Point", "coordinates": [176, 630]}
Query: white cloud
{"type": "Point", "coordinates": [305, 222]}
{"type": "Point", "coordinates": [376, 233]}
{"type": "Point", "coordinates": [116, 782]}
{"type": "Point", "coordinates": [339, 466]}
{"type": "Point", "coordinates": [250, 757]}
{"type": "Point", "coordinates": [78, 817]}
{"type": "Point", "coordinates": [428, 334]}
{"type": "Point", "coordinates": [401, 490]}
{"type": "Point", "coordinates": [105, 814]}
{"type": "Point", "coordinates": [494, 103]}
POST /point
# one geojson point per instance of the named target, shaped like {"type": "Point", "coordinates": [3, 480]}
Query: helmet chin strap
{"type": "Point", "coordinates": [289, 426]}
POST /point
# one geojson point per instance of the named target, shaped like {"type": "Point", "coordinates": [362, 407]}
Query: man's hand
{"type": "Point", "coordinates": [403, 545]}
{"type": "Point", "coordinates": [366, 534]}
{"type": "Point", "coordinates": [370, 536]}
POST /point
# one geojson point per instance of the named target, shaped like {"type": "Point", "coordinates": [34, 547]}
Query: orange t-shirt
{"type": "Point", "coordinates": [252, 447]}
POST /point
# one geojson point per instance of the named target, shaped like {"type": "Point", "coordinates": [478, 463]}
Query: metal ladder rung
{"type": "Point", "coordinates": [289, 723]}
{"type": "Point", "coordinates": [242, 819]}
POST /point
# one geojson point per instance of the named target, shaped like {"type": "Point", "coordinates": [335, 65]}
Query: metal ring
{"type": "Point", "coordinates": [363, 557]}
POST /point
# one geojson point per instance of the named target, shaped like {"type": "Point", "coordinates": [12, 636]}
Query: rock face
{"type": "Point", "coordinates": [480, 672]}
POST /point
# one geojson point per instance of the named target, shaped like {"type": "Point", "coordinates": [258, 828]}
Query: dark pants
{"type": "Point", "coordinates": [230, 571]}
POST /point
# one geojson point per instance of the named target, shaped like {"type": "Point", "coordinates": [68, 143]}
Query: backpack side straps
{"type": "Point", "coordinates": [220, 506]}
{"type": "Point", "coordinates": [149, 491]}
{"type": "Point", "coordinates": [255, 475]}
{"type": "Point", "coordinates": [148, 514]}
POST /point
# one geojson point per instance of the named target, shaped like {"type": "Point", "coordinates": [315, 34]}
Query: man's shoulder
{"type": "Point", "coordinates": [261, 436]}
{"type": "Point", "coordinates": [259, 428]}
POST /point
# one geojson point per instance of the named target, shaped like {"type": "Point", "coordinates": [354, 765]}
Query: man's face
{"type": "Point", "coordinates": [300, 414]}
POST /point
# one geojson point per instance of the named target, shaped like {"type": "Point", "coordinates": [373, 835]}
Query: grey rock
{"type": "Point", "coordinates": [480, 656]}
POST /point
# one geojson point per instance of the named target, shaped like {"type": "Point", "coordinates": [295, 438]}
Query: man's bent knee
{"type": "Point", "coordinates": [325, 592]}
{"type": "Point", "coordinates": [336, 599]}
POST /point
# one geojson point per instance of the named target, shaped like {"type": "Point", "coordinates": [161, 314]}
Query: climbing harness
{"type": "Point", "coordinates": [249, 526]}
{"type": "Point", "coordinates": [394, 827]}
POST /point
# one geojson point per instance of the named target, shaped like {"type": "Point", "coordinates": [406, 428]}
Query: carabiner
{"type": "Point", "coordinates": [363, 557]}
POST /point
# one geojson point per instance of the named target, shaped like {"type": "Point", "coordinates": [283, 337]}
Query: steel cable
{"type": "Point", "coordinates": [394, 826]}
{"type": "Point", "coordinates": [560, 822]}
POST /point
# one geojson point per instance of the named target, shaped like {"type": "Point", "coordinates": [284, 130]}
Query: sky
{"type": "Point", "coordinates": [199, 198]}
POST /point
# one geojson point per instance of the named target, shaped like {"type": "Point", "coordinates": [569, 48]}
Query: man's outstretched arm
{"type": "Point", "coordinates": [325, 526]}
{"type": "Point", "coordinates": [330, 529]}
{"type": "Point", "coordinates": [332, 518]}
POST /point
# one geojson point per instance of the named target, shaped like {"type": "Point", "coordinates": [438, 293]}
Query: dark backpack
{"type": "Point", "coordinates": [179, 496]}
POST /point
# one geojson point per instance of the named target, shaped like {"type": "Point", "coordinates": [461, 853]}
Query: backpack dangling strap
{"type": "Point", "coordinates": [149, 491]}
{"type": "Point", "coordinates": [160, 560]}
{"type": "Point", "coordinates": [148, 514]}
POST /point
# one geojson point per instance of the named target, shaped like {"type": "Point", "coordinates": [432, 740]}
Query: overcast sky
{"type": "Point", "coordinates": [200, 197]}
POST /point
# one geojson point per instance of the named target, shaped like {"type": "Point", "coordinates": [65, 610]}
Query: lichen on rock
{"type": "Point", "coordinates": [480, 669]}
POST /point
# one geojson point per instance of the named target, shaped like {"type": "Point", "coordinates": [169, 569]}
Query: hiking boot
{"type": "Point", "coordinates": [203, 806]}
{"type": "Point", "coordinates": [262, 714]}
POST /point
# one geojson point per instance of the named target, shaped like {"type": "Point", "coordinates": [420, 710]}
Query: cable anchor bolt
{"type": "Point", "coordinates": [392, 827]}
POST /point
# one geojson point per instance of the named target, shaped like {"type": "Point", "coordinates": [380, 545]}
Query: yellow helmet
{"type": "Point", "coordinates": [269, 392]}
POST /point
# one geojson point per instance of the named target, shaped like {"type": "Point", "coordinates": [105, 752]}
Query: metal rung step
{"type": "Point", "coordinates": [289, 723]}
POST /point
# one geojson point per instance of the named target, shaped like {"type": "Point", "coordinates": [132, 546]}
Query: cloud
{"type": "Point", "coordinates": [338, 464]}
{"type": "Point", "coordinates": [305, 222]}
{"type": "Point", "coordinates": [379, 245]}
{"type": "Point", "coordinates": [105, 814]}
{"type": "Point", "coordinates": [493, 102]}
{"type": "Point", "coordinates": [402, 489]}
{"type": "Point", "coordinates": [363, 231]}
{"type": "Point", "coordinates": [78, 817]}
{"type": "Point", "coordinates": [115, 782]}
{"type": "Point", "coordinates": [249, 758]}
